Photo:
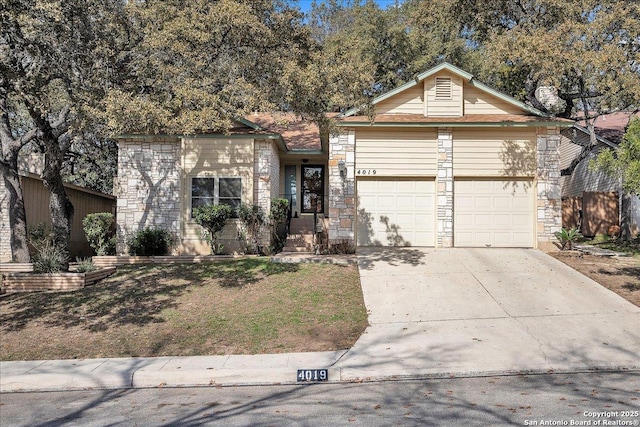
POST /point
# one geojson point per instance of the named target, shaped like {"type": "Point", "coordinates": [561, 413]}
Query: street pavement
{"type": "Point", "coordinates": [433, 313]}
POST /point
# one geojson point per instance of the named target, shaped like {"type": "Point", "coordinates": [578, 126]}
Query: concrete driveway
{"type": "Point", "coordinates": [486, 311]}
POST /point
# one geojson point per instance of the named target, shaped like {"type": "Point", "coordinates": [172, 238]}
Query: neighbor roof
{"type": "Point", "coordinates": [612, 126]}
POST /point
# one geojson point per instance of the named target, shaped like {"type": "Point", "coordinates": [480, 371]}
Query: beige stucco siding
{"type": "Point", "coordinates": [443, 107]}
{"type": "Point", "coordinates": [216, 158]}
{"type": "Point", "coordinates": [394, 152]}
{"type": "Point", "coordinates": [477, 101]}
{"type": "Point", "coordinates": [409, 101]}
{"type": "Point", "coordinates": [494, 152]}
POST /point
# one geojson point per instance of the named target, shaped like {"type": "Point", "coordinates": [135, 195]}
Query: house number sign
{"type": "Point", "coordinates": [312, 375]}
{"type": "Point", "coordinates": [366, 172]}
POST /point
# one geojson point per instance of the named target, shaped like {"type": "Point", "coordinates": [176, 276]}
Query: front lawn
{"type": "Point", "coordinates": [245, 306]}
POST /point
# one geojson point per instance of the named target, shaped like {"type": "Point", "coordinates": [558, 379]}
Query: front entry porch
{"type": "Point", "coordinates": [304, 184]}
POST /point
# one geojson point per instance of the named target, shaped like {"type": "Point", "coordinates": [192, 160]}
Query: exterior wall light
{"type": "Point", "coordinates": [342, 167]}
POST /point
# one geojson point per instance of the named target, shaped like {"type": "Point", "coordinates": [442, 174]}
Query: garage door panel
{"type": "Point", "coordinates": [482, 220]}
{"type": "Point", "coordinates": [407, 203]}
{"type": "Point", "coordinates": [497, 213]}
{"type": "Point", "coordinates": [396, 212]}
{"type": "Point", "coordinates": [423, 202]}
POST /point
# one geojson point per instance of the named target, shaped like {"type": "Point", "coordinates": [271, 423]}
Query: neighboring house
{"type": "Point", "coordinates": [36, 203]}
{"type": "Point", "coordinates": [605, 204]}
{"type": "Point", "coordinates": [447, 161]}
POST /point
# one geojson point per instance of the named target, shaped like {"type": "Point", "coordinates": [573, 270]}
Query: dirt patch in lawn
{"type": "Point", "coordinates": [619, 274]}
{"type": "Point", "coordinates": [244, 306]}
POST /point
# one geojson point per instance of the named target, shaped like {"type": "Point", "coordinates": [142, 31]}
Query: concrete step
{"type": "Point", "coordinates": [302, 225]}
{"type": "Point", "coordinates": [301, 242]}
{"type": "Point", "coordinates": [297, 250]}
{"type": "Point", "coordinates": [300, 239]}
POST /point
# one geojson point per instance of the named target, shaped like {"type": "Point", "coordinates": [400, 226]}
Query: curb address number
{"type": "Point", "coordinates": [312, 375]}
{"type": "Point", "coordinates": [366, 172]}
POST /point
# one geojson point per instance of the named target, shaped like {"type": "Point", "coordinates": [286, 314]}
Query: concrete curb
{"type": "Point", "coordinates": [104, 374]}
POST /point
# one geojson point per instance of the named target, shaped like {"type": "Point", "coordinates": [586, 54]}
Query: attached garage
{"type": "Point", "coordinates": [395, 212]}
{"type": "Point", "coordinates": [494, 213]}
{"type": "Point", "coordinates": [445, 161]}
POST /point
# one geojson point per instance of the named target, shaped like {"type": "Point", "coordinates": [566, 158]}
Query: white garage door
{"type": "Point", "coordinates": [496, 213]}
{"type": "Point", "coordinates": [396, 212]}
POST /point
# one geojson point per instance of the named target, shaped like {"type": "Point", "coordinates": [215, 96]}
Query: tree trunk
{"type": "Point", "coordinates": [15, 207]}
{"type": "Point", "coordinates": [60, 205]}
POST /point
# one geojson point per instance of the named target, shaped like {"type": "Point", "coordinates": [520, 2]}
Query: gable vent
{"type": "Point", "coordinates": [444, 89]}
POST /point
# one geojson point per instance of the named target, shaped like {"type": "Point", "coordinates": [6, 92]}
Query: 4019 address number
{"type": "Point", "coordinates": [312, 375]}
{"type": "Point", "coordinates": [366, 172]}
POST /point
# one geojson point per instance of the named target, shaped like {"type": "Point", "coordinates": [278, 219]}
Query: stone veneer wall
{"type": "Point", "coordinates": [445, 189]}
{"type": "Point", "coordinates": [5, 229]}
{"type": "Point", "coordinates": [549, 211]}
{"type": "Point", "coordinates": [266, 178]}
{"type": "Point", "coordinates": [342, 191]}
{"type": "Point", "coordinates": [148, 187]}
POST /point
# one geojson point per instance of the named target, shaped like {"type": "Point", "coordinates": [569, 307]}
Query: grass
{"type": "Point", "coordinates": [243, 306]}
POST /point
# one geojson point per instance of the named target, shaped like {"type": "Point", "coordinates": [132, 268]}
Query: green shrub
{"type": "Point", "coordinates": [48, 253]}
{"type": "Point", "coordinates": [98, 227]}
{"type": "Point", "coordinates": [567, 237]}
{"type": "Point", "coordinates": [50, 258]}
{"type": "Point", "coordinates": [150, 241]}
{"type": "Point", "coordinates": [278, 221]}
{"type": "Point", "coordinates": [212, 218]}
{"type": "Point", "coordinates": [84, 265]}
{"type": "Point", "coordinates": [344, 246]}
{"type": "Point", "coordinates": [252, 220]}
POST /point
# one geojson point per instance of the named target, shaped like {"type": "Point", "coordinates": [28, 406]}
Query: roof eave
{"type": "Point", "coordinates": [454, 124]}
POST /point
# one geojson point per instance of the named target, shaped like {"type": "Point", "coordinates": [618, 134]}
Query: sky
{"type": "Point", "coordinates": [305, 5]}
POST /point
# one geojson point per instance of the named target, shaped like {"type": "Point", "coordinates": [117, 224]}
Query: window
{"type": "Point", "coordinates": [202, 192]}
{"type": "Point", "coordinates": [230, 192]}
{"type": "Point", "coordinates": [443, 88]}
{"type": "Point", "coordinates": [212, 191]}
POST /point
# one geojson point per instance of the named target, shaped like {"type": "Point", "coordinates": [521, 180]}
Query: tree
{"type": "Point", "coordinates": [200, 64]}
{"type": "Point", "coordinates": [57, 60]}
{"type": "Point", "coordinates": [624, 163]}
{"type": "Point", "coordinates": [584, 53]}
{"type": "Point", "coordinates": [92, 161]}
{"type": "Point", "coordinates": [12, 142]}
{"type": "Point", "coordinates": [587, 49]}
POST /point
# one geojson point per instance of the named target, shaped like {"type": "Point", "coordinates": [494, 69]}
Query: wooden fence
{"type": "Point", "coordinates": [596, 212]}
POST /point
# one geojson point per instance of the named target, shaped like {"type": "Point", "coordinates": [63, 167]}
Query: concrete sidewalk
{"type": "Point", "coordinates": [432, 313]}
{"type": "Point", "coordinates": [192, 371]}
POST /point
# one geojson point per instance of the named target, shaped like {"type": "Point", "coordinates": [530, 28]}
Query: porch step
{"type": "Point", "coordinates": [299, 242]}
{"type": "Point", "coordinates": [302, 225]}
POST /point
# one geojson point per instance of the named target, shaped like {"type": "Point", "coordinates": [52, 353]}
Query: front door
{"type": "Point", "coordinates": [312, 188]}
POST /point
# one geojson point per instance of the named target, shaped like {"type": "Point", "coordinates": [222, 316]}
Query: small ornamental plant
{"type": "Point", "coordinates": [150, 241]}
{"type": "Point", "coordinates": [212, 219]}
{"type": "Point", "coordinates": [566, 238]}
{"type": "Point", "coordinates": [277, 221]}
{"type": "Point", "coordinates": [98, 227]}
{"type": "Point", "coordinates": [252, 220]}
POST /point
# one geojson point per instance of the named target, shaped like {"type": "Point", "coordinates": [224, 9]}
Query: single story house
{"type": "Point", "coordinates": [590, 198]}
{"type": "Point", "coordinates": [446, 161]}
